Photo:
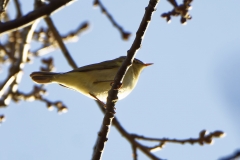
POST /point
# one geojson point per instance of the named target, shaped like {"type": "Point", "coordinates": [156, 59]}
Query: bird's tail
{"type": "Point", "coordinates": [43, 77]}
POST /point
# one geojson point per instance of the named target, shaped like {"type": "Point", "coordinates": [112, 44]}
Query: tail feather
{"type": "Point", "coordinates": [42, 77]}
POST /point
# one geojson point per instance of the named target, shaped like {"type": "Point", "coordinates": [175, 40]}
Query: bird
{"type": "Point", "coordinates": [94, 80]}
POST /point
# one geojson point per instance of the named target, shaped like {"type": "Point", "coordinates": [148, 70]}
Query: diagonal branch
{"type": "Point", "coordinates": [18, 8]}
{"type": "Point", "coordinates": [32, 16]}
{"type": "Point", "coordinates": [234, 156]}
{"type": "Point", "coordinates": [59, 40]}
{"type": "Point", "coordinates": [125, 35]}
{"type": "Point", "coordinates": [112, 94]}
{"type": "Point", "coordinates": [133, 142]}
{"type": "Point", "coordinates": [135, 145]}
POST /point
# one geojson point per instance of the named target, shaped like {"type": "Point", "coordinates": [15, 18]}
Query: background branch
{"type": "Point", "coordinates": [234, 156]}
{"type": "Point", "coordinates": [32, 16]}
{"type": "Point", "coordinates": [125, 35]}
{"type": "Point", "coordinates": [59, 40]}
{"type": "Point", "coordinates": [179, 10]}
{"type": "Point", "coordinates": [18, 7]}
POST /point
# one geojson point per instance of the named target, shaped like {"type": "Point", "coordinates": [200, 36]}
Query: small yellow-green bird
{"type": "Point", "coordinates": [94, 80]}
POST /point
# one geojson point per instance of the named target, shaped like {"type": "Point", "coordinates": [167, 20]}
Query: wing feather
{"type": "Point", "coordinates": [97, 66]}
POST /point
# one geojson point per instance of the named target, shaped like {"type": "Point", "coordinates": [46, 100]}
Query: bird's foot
{"type": "Point", "coordinates": [99, 101]}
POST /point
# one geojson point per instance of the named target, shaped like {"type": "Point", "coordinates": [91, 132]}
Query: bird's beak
{"type": "Point", "coordinates": [148, 64]}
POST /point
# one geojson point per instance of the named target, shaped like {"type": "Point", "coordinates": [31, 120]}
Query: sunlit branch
{"type": "Point", "coordinates": [179, 10]}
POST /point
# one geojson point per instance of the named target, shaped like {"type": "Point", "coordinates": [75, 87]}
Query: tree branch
{"type": "Point", "coordinates": [50, 45]}
{"type": "Point", "coordinates": [125, 35]}
{"type": "Point", "coordinates": [234, 156]}
{"type": "Point", "coordinates": [130, 138]}
{"type": "Point", "coordinates": [3, 4]}
{"type": "Point", "coordinates": [32, 16]}
{"type": "Point", "coordinates": [112, 94]}
{"type": "Point", "coordinates": [18, 8]}
{"type": "Point", "coordinates": [179, 10]}
{"type": "Point", "coordinates": [36, 94]}
{"type": "Point", "coordinates": [59, 40]}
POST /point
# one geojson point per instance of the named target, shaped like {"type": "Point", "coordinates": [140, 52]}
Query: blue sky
{"type": "Point", "coordinates": [193, 85]}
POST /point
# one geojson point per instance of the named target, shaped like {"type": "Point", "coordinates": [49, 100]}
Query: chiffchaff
{"type": "Point", "coordinates": [94, 80]}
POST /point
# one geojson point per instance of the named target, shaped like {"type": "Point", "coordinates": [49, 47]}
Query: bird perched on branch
{"type": "Point", "coordinates": [95, 80]}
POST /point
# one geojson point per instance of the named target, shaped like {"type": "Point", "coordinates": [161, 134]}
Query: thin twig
{"type": "Point", "coordinates": [36, 94]}
{"type": "Point", "coordinates": [15, 73]}
{"type": "Point", "coordinates": [72, 36]}
{"type": "Point", "coordinates": [203, 138]}
{"type": "Point", "coordinates": [7, 82]}
{"type": "Point", "coordinates": [179, 10]}
{"type": "Point", "coordinates": [112, 94]}
{"type": "Point", "coordinates": [125, 35]}
{"type": "Point", "coordinates": [59, 40]}
{"type": "Point", "coordinates": [2, 118]}
{"type": "Point", "coordinates": [18, 7]}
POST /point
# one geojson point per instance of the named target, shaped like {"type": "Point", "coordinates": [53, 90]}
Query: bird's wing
{"type": "Point", "coordinates": [97, 66]}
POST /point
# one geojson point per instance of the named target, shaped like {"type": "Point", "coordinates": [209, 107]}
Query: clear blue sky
{"type": "Point", "coordinates": [193, 85]}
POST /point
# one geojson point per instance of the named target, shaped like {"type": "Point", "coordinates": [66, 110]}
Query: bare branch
{"type": "Point", "coordinates": [234, 156]}
{"type": "Point", "coordinates": [179, 10]}
{"type": "Point", "coordinates": [129, 137]}
{"type": "Point", "coordinates": [9, 54]}
{"type": "Point", "coordinates": [125, 35]}
{"type": "Point", "coordinates": [36, 94]}
{"type": "Point", "coordinates": [32, 16]}
{"type": "Point", "coordinates": [3, 5]}
{"type": "Point", "coordinates": [15, 73]}
{"type": "Point", "coordinates": [7, 82]}
{"type": "Point", "coordinates": [2, 118]}
{"type": "Point", "coordinates": [203, 139]}
{"type": "Point", "coordinates": [112, 94]}
{"type": "Point", "coordinates": [72, 36]}
{"type": "Point", "coordinates": [134, 150]}
{"type": "Point", "coordinates": [18, 7]}
{"type": "Point", "coordinates": [60, 42]}
{"type": "Point", "coordinates": [48, 62]}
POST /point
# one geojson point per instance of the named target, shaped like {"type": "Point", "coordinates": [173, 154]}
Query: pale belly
{"type": "Point", "coordinates": [88, 83]}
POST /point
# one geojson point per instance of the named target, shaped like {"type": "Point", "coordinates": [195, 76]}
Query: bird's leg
{"type": "Point", "coordinates": [118, 87]}
{"type": "Point", "coordinates": [103, 104]}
